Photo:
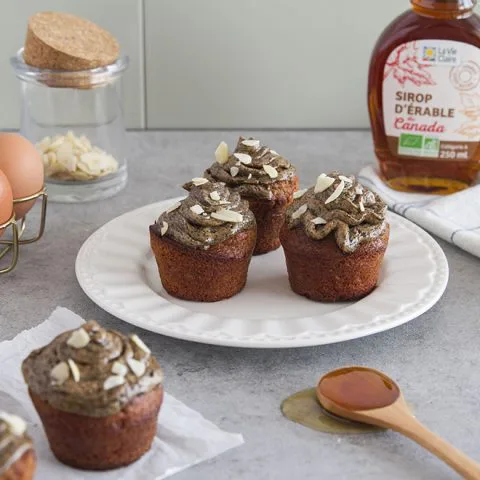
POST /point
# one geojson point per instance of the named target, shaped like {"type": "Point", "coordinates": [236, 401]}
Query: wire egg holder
{"type": "Point", "coordinates": [18, 229]}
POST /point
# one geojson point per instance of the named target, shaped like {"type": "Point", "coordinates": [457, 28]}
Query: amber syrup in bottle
{"type": "Point", "coordinates": [424, 97]}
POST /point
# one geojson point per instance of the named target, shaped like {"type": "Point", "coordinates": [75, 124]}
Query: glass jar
{"type": "Point", "coordinates": [75, 118]}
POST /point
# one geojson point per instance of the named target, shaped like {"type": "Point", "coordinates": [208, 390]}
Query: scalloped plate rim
{"type": "Point", "coordinates": [262, 340]}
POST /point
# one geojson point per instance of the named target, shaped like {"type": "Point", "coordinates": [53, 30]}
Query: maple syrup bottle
{"type": "Point", "coordinates": [424, 97]}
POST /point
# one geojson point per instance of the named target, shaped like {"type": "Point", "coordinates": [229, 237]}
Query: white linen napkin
{"type": "Point", "coordinates": [184, 438]}
{"type": "Point", "coordinates": [455, 218]}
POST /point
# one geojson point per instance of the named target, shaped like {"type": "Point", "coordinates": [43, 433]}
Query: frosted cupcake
{"type": "Point", "coordinates": [17, 457]}
{"type": "Point", "coordinates": [334, 238]}
{"type": "Point", "coordinates": [98, 394]}
{"type": "Point", "coordinates": [262, 177]}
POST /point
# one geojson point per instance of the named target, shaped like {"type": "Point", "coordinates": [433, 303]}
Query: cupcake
{"type": "Point", "coordinates": [17, 457]}
{"type": "Point", "coordinates": [98, 394]}
{"type": "Point", "coordinates": [335, 236]}
{"type": "Point", "coordinates": [203, 244]}
{"type": "Point", "coordinates": [262, 177]}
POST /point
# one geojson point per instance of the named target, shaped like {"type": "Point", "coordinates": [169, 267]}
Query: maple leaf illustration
{"type": "Point", "coordinates": [471, 109]}
{"type": "Point", "coordinates": [404, 66]}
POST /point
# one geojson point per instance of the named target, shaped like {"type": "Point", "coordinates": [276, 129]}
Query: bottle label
{"type": "Point", "coordinates": [431, 99]}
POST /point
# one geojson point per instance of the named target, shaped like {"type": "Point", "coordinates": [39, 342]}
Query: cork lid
{"type": "Point", "coordinates": [60, 41]}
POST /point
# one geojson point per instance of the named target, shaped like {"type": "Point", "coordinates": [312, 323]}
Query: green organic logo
{"type": "Point", "coordinates": [408, 140]}
{"type": "Point", "coordinates": [431, 144]}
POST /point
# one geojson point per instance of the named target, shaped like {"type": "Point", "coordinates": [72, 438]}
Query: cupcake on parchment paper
{"type": "Point", "coordinates": [334, 238]}
{"type": "Point", "coordinates": [262, 177]}
{"type": "Point", "coordinates": [203, 245]}
{"type": "Point", "coordinates": [17, 457]}
{"type": "Point", "coordinates": [98, 394]}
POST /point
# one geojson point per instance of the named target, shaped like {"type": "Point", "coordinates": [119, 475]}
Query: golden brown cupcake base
{"type": "Point", "coordinates": [270, 214]}
{"type": "Point", "coordinates": [204, 275]}
{"type": "Point", "coordinates": [23, 468]}
{"type": "Point", "coordinates": [101, 443]}
{"type": "Point", "coordinates": [319, 270]}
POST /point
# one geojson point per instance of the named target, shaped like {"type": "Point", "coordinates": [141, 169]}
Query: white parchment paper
{"type": "Point", "coordinates": [184, 438]}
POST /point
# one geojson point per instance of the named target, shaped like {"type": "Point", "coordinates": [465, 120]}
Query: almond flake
{"type": "Point", "coordinates": [338, 191]}
{"type": "Point", "coordinates": [273, 152]}
{"type": "Point", "coordinates": [345, 179]}
{"type": "Point", "coordinates": [299, 212]}
{"type": "Point", "coordinates": [249, 176]}
{"type": "Point", "coordinates": [251, 143]}
{"type": "Point", "coordinates": [163, 228]}
{"type": "Point", "coordinates": [197, 181]}
{"type": "Point", "coordinates": [221, 153]}
{"type": "Point", "coordinates": [228, 216]}
{"type": "Point", "coordinates": [234, 171]}
{"type": "Point", "coordinates": [361, 206]}
{"type": "Point", "coordinates": [243, 158]}
{"type": "Point", "coordinates": [139, 343]}
{"type": "Point", "coordinates": [224, 202]}
{"type": "Point", "coordinates": [299, 193]}
{"type": "Point", "coordinates": [271, 171]}
{"type": "Point", "coordinates": [358, 189]}
{"type": "Point", "coordinates": [197, 209]}
{"type": "Point", "coordinates": [74, 369]}
{"type": "Point", "coordinates": [78, 339]}
{"type": "Point", "coordinates": [173, 207]}
{"type": "Point", "coordinates": [137, 367]}
{"type": "Point", "coordinates": [60, 372]}
{"type": "Point", "coordinates": [119, 369]}
{"type": "Point", "coordinates": [319, 221]}
{"type": "Point", "coordinates": [113, 381]}
{"type": "Point", "coordinates": [323, 182]}
{"type": "Point", "coordinates": [16, 425]}
{"type": "Point", "coordinates": [215, 196]}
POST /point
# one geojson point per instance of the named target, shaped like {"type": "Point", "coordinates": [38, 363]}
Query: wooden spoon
{"type": "Point", "coordinates": [369, 396]}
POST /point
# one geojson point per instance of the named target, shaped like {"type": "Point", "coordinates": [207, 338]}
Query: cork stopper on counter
{"type": "Point", "coordinates": [60, 41]}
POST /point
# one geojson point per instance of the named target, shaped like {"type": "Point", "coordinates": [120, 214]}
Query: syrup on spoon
{"type": "Point", "coordinates": [367, 395]}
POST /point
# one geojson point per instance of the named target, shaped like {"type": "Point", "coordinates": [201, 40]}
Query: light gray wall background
{"type": "Point", "coordinates": [226, 63]}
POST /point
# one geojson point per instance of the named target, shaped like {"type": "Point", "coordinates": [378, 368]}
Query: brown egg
{"type": "Point", "coordinates": [6, 201]}
{"type": "Point", "coordinates": [23, 166]}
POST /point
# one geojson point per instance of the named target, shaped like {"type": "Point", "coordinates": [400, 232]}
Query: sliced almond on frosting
{"type": "Point", "coordinates": [271, 171]}
{"type": "Point", "coordinates": [16, 425]}
{"type": "Point", "coordinates": [173, 207]}
{"type": "Point", "coordinates": [361, 206]}
{"type": "Point", "coordinates": [234, 171]}
{"type": "Point", "coordinates": [322, 183]}
{"type": "Point", "coordinates": [299, 193]}
{"type": "Point", "coordinates": [113, 381]}
{"type": "Point", "coordinates": [197, 209]}
{"type": "Point", "coordinates": [60, 372]}
{"type": "Point", "coordinates": [228, 216]}
{"type": "Point", "coordinates": [249, 176]}
{"type": "Point", "coordinates": [273, 152]}
{"type": "Point", "coordinates": [74, 369]}
{"type": "Point", "coordinates": [345, 179]}
{"type": "Point", "coordinates": [119, 369]}
{"type": "Point", "coordinates": [163, 228]}
{"type": "Point", "coordinates": [137, 367]}
{"type": "Point", "coordinates": [221, 153]}
{"type": "Point", "coordinates": [318, 221]}
{"type": "Point", "coordinates": [215, 196]}
{"type": "Point", "coordinates": [337, 192]}
{"type": "Point", "coordinates": [243, 158]}
{"type": "Point", "coordinates": [78, 339]}
{"type": "Point", "coordinates": [197, 181]}
{"type": "Point", "coordinates": [250, 142]}
{"type": "Point", "coordinates": [139, 343]}
{"type": "Point", "coordinates": [299, 212]}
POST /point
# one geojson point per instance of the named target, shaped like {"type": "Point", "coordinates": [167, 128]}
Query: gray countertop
{"type": "Point", "coordinates": [435, 358]}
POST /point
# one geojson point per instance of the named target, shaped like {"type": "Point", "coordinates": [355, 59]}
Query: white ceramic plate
{"type": "Point", "coordinates": [117, 271]}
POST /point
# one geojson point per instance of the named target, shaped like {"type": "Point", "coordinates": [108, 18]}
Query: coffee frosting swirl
{"type": "Point", "coordinates": [192, 221]}
{"type": "Point", "coordinates": [355, 216]}
{"type": "Point", "coordinates": [12, 445]}
{"type": "Point", "coordinates": [89, 396]}
{"type": "Point", "coordinates": [252, 180]}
